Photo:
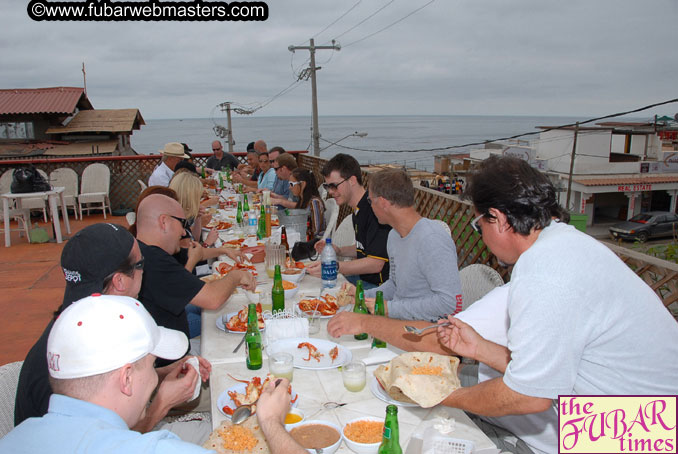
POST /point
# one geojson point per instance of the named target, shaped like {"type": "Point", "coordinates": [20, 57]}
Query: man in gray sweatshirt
{"type": "Point", "coordinates": [423, 280]}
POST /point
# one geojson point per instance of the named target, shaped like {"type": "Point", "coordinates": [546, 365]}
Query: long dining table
{"type": "Point", "coordinates": [318, 387]}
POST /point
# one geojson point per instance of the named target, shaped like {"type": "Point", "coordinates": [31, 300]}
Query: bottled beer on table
{"type": "Point", "coordinates": [278, 293]}
{"type": "Point", "coordinates": [359, 306]}
{"type": "Point", "coordinates": [253, 339]}
{"type": "Point", "coordinates": [245, 204]}
{"type": "Point", "coordinates": [283, 242]}
{"type": "Point", "coordinates": [261, 228]}
{"type": "Point", "coordinates": [268, 221]}
{"type": "Point", "coordinates": [379, 310]}
{"type": "Point", "coordinates": [238, 215]}
{"type": "Point", "coordinates": [390, 443]}
{"type": "Point", "coordinates": [221, 181]}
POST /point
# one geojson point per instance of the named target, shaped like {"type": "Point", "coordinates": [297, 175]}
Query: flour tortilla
{"type": "Point", "coordinates": [425, 390]}
{"type": "Point", "coordinates": [216, 443]}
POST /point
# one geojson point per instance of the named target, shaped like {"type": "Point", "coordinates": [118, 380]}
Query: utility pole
{"type": "Point", "coordinates": [569, 180]}
{"type": "Point", "coordinates": [229, 132]}
{"type": "Point", "coordinates": [314, 89]}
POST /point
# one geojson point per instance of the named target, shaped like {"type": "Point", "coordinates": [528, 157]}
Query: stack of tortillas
{"type": "Point", "coordinates": [230, 439]}
{"type": "Point", "coordinates": [419, 377]}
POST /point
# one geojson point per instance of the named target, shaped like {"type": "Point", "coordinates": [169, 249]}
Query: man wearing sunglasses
{"type": "Point", "coordinates": [221, 160]}
{"type": "Point", "coordinates": [168, 287]}
{"type": "Point", "coordinates": [102, 258]}
{"type": "Point", "coordinates": [281, 194]}
{"type": "Point", "coordinates": [343, 181]}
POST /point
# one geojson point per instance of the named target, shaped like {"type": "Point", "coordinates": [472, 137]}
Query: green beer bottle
{"type": "Point", "coordinates": [245, 204]}
{"type": "Point", "coordinates": [221, 181]}
{"type": "Point", "coordinates": [261, 228]}
{"type": "Point", "coordinates": [228, 174]}
{"type": "Point", "coordinates": [378, 310]}
{"type": "Point", "coordinates": [359, 306]}
{"type": "Point", "coordinates": [390, 443]}
{"type": "Point", "coordinates": [278, 293]}
{"type": "Point", "coordinates": [238, 215]}
{"type": "Point", "coordinates": [203, 172]}
{"type": "Point", "coordinates": [253, 339]}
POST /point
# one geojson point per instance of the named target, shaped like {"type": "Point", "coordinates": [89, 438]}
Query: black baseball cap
{"type": "Point", "coordinates": [90, 256]}
{"type": "Point", "coordinates": [250, 146]}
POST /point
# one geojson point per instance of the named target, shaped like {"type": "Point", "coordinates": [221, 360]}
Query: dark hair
{"type": "Point", "coordinates": [185, 165]}
{"type": "Point", "coordinates": [512, 186]}
{"type": "Point", "coordinates": [263, 153]}
{"type": "Point", "coordinates": [311, 189]}
{"type": "Point", "coordinates": [394, 185]}
{"type": "Point", "coordinates": [346, 165]}
{"type": "Point", "coordinates": [162, 190]}
{"type": "Point", "coordinates": [126, 268]}
{"type": "Point", "coordinates": [250, 146]}
{"type": "Point", "coordinates": [280, 150]}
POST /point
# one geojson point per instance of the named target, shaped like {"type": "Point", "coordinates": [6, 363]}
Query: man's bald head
{"type": "Point", "coordinates": [156, 225]}
{"type": "Point", "coordinates": [260, 146]}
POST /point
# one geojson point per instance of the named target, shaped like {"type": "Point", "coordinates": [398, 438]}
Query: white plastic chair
{"type": "Point", "coordinates": [67, 178]}
{"type": "Point", "coordinates": [476, 281]}
{"type": "Point", "coordinates": [444, 224]}
{"type": "Point", "coordinates": [94, 188]}
{"type": "Point", "coordinates": [21, 216]}
{"type": "Point", "coordinates": [331, 216]}
{"type": "Point", "coordinates": [344, 235]}
{"type": "Point", "coordinates": [37, 203]}
{"type": "Point", "coordinates": [142, 184]}
{"type": "Point", "coordinates": [9, 380]}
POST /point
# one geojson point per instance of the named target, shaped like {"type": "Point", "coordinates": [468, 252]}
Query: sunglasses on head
{"type": "Point", "coordinates": [333, 186]}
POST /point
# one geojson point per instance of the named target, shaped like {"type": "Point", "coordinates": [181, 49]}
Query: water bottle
{"type": "Point", "coordinates": [328, 265]}
{"type": "Point", "coordinates": [252, 222]}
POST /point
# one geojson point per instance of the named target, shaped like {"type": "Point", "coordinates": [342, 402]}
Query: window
{"type": "Point", "coordinates": [17, 130]}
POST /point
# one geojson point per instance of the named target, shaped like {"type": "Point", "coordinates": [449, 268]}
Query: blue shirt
{"type": "Point", "coordinates": [281, 187]}
{"type": "Point", "coordinates": [266, 180]}
{"type": "Point", "coordinates": [75, 426]}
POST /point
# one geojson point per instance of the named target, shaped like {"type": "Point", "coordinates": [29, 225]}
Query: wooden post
{"type": "Point", "coordinates": [569, 180]}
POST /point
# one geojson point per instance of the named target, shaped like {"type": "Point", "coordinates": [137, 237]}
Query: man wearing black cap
{"type": "Point", "coordinates": [101, 258]}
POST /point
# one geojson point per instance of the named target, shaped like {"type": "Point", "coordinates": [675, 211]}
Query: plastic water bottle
{"type": "Point", "coordinates": [328, 265]}
{"type": "Point", "coordinates": [252, 222]}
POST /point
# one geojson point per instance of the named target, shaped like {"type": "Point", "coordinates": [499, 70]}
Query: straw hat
{"type": "Point", "coordinates": [174, 149]}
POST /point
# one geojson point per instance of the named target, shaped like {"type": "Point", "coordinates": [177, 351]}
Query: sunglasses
{"type": "Point", "coordinates": [276, 168]}
{"type": "Point", "coordinates": [475, 226]}
{"type": "Point", "coordinates": [185, 223]}
{"type": "Point", "coordinates": [294, 183]}
{"type": "Point", "coordinates": [216, 149]}
{"type": "Point", "coordinates": [139, 265]}
{"type": "Point", "coordinates": [271, 161]}
{"type": "Point", "coordinates": [333, 186]}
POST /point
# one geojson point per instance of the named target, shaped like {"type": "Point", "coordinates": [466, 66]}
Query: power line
{"type": "Point", "coordinates": [569, 125]}
{"type": "Point", "coordinates": [338, 19]}
{"type": "Point", "coordinates": [364, 20]}
{"type": "Point", "coordinates": [390, 25]}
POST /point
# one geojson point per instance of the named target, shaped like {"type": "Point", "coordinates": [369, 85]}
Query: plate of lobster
{"type": "Point", "coordinates": [246, 392]}
{"type": "Point", "coordinates": [318, 354]}
{"type": "Point", "coordinates": [236, 322]}
{"type": "Point", "coordinates": [326, 304]}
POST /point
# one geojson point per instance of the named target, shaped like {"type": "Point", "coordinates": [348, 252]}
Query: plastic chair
{"type": "Point", "coordinates": [344, 235]}
{"type": "Point", "coordinates": [21, 216]}
{"type": "Point", "coordinates": [142, 184]}
{"type": "Point", "coordinates": [444, 224]}
{"type": "Point", "coordinates": [331, 214]}
{"type": "Point", "coordinates": [94, 188]}
{"type": "Point", "coordinates": [9, 380]}
{"type": "Point", "coordinates": [67, 178]}
{"type": "Point", "coordinates": [37, 203]}
{"type": "Point", "coordinates": [476, 281]}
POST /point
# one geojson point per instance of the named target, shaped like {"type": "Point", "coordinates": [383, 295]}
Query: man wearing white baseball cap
{"type": "Point", "coordinates": [172, 154]}
{"type": "Point", "coordinates": [100, 355]}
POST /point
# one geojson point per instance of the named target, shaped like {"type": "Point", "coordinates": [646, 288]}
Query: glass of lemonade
{"type": "Point", "coordinates": [353, 374]}
{"type": "Point", "coordinates": [281, 365]}
{"type": "Point", "coordinates": [265, 300]}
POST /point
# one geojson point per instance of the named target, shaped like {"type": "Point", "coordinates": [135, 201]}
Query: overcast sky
{"type": "Point", "coordinates": [454, 57]}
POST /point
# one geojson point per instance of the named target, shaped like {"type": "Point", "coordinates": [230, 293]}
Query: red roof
{"type": "Point", "coordinates": [53, 100]}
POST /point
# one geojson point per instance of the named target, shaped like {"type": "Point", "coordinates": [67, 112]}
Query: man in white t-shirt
{"type": "Point", "coordinates": [172, 154]}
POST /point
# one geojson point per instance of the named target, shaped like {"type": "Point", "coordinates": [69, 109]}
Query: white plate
{"type": "Point", "coordinates": [222, 326]}
{"type": "Point", "coordinates": [225, 399]}
{"type": "Point", "coordinates": [380, 394]}
{"type": "Point", "coordinates": [324, 346]}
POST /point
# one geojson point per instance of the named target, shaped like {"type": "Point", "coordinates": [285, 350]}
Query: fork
{"type": "Point", "coordinates": [418, 331]}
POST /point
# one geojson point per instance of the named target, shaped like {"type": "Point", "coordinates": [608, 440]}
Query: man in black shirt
{"type": "Point", "coordinates": [167, 286]}
{"type": "Point", "coordinates": [221, 160]}
{"type": "Point", "coordinates": [343, 181]}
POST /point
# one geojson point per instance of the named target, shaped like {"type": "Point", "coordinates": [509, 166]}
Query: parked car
{"type": "Point", "coordinates": [652, 224]}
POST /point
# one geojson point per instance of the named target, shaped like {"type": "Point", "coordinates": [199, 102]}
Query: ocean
{"type": "Point", "coordinates": [391, 134]}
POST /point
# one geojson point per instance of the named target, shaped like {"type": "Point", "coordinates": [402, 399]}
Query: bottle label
{"type": "Point", "coordinates": [387, 433]}
{"type": "Point", "coordinates": [328, 271]}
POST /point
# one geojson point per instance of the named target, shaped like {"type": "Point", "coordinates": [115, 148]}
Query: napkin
{"type": "Point", "coordinates": [379, 356]}
{"type": "Point", "coordinates": [193, 362]}
{"type": "Point", "coordinates": [285, 328]}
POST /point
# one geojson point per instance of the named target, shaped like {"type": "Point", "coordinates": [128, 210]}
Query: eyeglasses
{"type": "Point", "coordinates": [294, 183]}
{"type": "Point", "coordinates": [216, 149]}
{"type": "Point", "coordinates": [475, 226]}
{"type": "Point", "coordinates": [333, 186]}
{"type": "Point", "coordinates": [139, 265]}
{"type": "Point", "coordinates": [271, 161]}
{"type": "Point", "coordinates": [276, 168]}
{"type": "Point", "coordinates": [185, 223]}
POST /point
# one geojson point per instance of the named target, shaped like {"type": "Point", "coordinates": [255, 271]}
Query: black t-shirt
{"type": "Point", "coordinates": [371, 239]}
{"type": "Point", "coordinates": [33, 390]}
{"type": "Point", "coordinates": [166, 289]}
{"type": "Point", "coordinates": [226, 161]}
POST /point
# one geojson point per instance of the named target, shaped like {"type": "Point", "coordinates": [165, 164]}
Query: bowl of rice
{"type": "Point", "coordinates": [363, 435]}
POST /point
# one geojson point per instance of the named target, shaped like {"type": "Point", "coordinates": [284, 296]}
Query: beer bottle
{"type": "Point", "coordinates": [238, 215]}
{"type": "Point", "coordinates": [278, 293]}
{"type": "Point", "coordinates": [203, 172]}
{"type": "Point", "coordinates": [390, 443]}
{"type": "Point", "coordinates": [359, 306]}
{"type": "Point", "coordinates": [253, 339]}
{"type": "Point", "coordinates": [268, 221]}
{"type": "Point", "coordinates": [283, 242]}
{"type": "Point", "coordinates": [245, 204]}
{"type": "Point", "coordinates": [379, 310]}
{"type": "Point", "coordinates": [261, 228]}
{"type": "Point", "coordinates": [221, 181]}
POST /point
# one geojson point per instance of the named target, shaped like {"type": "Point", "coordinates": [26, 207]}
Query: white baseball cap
{"type": "Point", "coordinates": [101, 333]}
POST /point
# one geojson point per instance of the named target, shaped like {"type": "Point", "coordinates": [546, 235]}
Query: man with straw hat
{"type": "Point", "coordinates": [172, 154]}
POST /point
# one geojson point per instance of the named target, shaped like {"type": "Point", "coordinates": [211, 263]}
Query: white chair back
{"type": "Point", "coordinates": [95, 178]}
{"type": "Point", "coordinates": [9, 379]}
{"type": "Point", "coordinates": [344, 235]}
{"type": "Point", "coordinates": [142, 185]}
{"type": "Point", "coordinates": [331, 216]}
{"type": "Point", "coordinates": [6, 181]}
{"type": "Point", "coordinates": [444, 224]}
{"type": "Point", "coordinates": [67, 178]}
{"type": "Point", "coordinates": [476, 281]}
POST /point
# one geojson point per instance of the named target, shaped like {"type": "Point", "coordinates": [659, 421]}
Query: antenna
{"type": "Point", "coordinates": [84, 77]}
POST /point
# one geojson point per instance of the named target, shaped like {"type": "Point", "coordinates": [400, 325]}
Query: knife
{"type": "Point", "coordinates": [237, 347]}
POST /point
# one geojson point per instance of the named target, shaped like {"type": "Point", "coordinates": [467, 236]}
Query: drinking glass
{"type": "Point", "coordinates": [353, 374]}
{"type": "Point", "coordinates": [281, 365]}
{"type": "Point", "coordinates": [313, 322]}
{"type": "Point", "coordinates": [275, 255]}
